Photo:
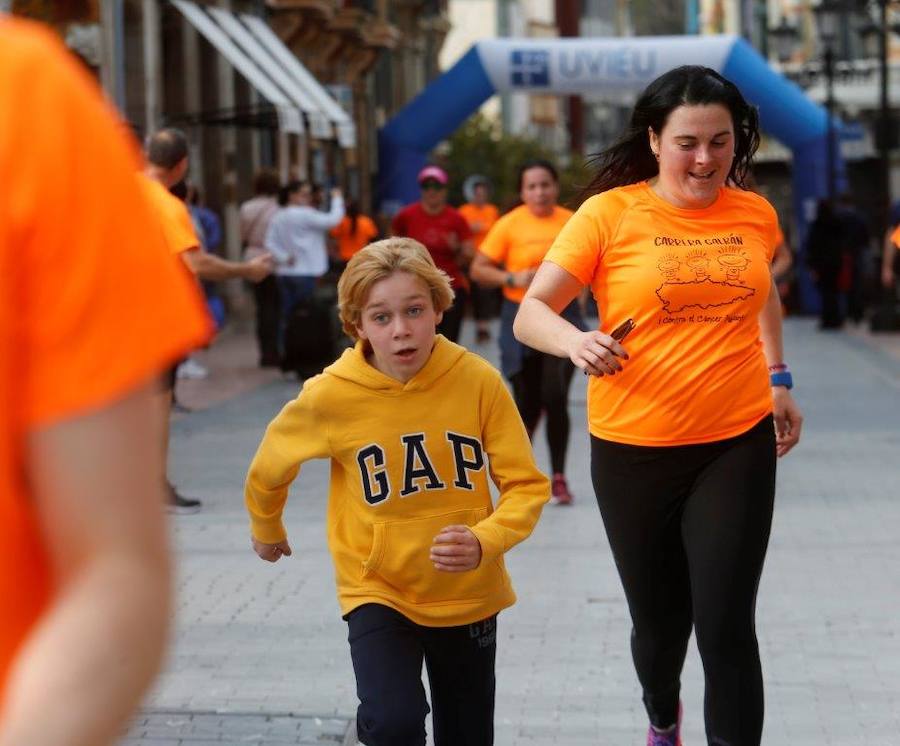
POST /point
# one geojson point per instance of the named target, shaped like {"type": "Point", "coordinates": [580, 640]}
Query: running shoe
{"type": "Point", "coordinates": [191, 369]}
{"type": "Point", "coordinates": [559, 489]}
{"type": "Point", "coordinates": [671, 737]}
{"type": "Point", "coordinates": [180, 504]}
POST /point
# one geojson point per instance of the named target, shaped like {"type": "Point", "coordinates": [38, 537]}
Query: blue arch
{"type": "Point", "coordinates": [568, 66]}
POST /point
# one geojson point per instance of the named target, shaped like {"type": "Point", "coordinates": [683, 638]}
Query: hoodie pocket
{"type": "Point", "coordinates": [400, 557]}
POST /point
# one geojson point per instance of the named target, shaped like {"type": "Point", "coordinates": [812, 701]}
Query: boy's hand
{"type": "Point", "coordinates": [456, 549]}
{"type": "Point", "coordinates": [271, 552]}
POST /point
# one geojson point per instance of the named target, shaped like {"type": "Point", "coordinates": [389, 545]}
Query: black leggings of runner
{"type": "Point", "coordinates": [453, 316]}
{"type": "Point", "coordinates": [387, 650]}
{"type": "Point", "coordinates": [543, 385]}
{"type": "Point", "coordinates": [268, 318]}
{"type": "Point", "coordinates": [688, 527]}
{"type": "Point", "coordinates": [485, 302]}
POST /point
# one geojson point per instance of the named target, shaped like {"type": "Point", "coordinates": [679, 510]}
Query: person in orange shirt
{"type": "Point", "coordinates": [688, 416]}
{"type": "Point", "coordinates": [481, 216]}
{"type": "Point", "coordinates": [167, 165]}
{"type": "Point", "coordinates": [84, 336]}
{"type": "Point", "coordinates": [508, 257]}
{"type": "Point", "coordinates": [353, 232]}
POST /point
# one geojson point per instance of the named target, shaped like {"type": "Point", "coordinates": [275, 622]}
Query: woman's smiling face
{"type": "Point", "coordinates": [695, 151]}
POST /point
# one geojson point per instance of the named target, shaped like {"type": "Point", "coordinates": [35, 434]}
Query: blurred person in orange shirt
{"type": "Point", "coordinates": [481, 215]}
{"type": "Point", "coordinates": [509, 257]}
{"type": "Point", "coordinates": [167, 164]}
{"type": "Point", "coordinates": [92, 309]}
{"type": "Point", "coordinates": [353, 232]}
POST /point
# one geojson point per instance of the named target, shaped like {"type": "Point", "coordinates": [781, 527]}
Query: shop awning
{"type": "Point", "coordinates": [343, 123]}
{"type": "Point", "coordinates": [289, 113]}
{"type": "Point", "coordinates": [319, 123]}
{"type": "Point", "coordinates": [256, 52]}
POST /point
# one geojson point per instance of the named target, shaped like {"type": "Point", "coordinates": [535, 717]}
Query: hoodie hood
{"type": "Point", "coordinates": [352, 366]}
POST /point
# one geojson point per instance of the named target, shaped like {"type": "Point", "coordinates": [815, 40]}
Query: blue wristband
{"type": "Point", "coordinates": [781, 378]}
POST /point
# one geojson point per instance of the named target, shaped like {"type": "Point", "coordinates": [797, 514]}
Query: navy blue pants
{"type": "Point", "coordinates": [688, 527]}
{"type": "Point", "coordinates": [388, 650]}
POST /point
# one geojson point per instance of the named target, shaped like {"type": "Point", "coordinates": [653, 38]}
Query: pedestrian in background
{"type": "Point", "coordinates": [410, 422]}
{"type": "Point", "coordinates": [446, 235]}
{"type": "Point", "coordinates": [210, 223]}
{"type": "Point", "coordinates": [353, 232]}
{"type": "Point", "coordinates": [296, 239]}
{"type": "Point", "coordinates": [481, 215]}
{"type": "Point", "coordinates": [255, 215]}
{"type": "Point", "coordinates": [889, 255]}
{"type": "Point", "coordinates": [685, 420]}
{"type": "Point", "coordinates": [167, 165]}
{"type": "Point", "coordinates": [825, 245]}
{"type": "Point", "coordinates": [509, 256]}
{"type": "Point", "coordinates": [857, 245]}
{"type": "Point", "coordinates": [92, 309]}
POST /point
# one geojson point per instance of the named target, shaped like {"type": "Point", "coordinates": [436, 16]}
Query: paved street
{"type": "Point", "coordinates": [260, 652]}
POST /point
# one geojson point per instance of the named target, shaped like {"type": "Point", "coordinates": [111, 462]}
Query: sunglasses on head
{"type": "Point", "coordinates": [429, 184]}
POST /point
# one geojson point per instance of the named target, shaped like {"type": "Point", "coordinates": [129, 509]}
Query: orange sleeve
{"type": "Point", "coordinates": [172, 216]}
{"type": "Point", "coordinates": [370, 228]}
{"type": "Point", "coordinates": [180, 233]}
{"type": "Point", "coordinates": [775, 237]}
{"type": "Point", "coordinates": [338, 230]}
{"type": "Point", "coordinates": [102, 306]}
{"type": "Point", "coordinates": [895, 237]}
{"type": "Point", "coordinates": [495, 245]}
{"type": "Point", "coordinates": [579, 246]}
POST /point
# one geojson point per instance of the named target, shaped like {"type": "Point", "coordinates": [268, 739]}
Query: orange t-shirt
{"type": "Point", "coordinates": [349, 243]}
{"type": "Point", "coordinates": [172, 215]}
{"type": "Point", "coordinates": [480, 219]}
{"type": "Point", "coordinates": [694, 281]}
{"type": "Point", "coordinates": [520, 240]}
{"type": "Point", "coordinates": [91, 304]}
{"type": "Point", "coordinates": [895, 238]}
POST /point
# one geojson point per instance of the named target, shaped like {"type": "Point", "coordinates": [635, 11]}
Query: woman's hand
{"type": "Point", "coordinates": [596, 353]}
{"type": "Point", "coordinates": [456, 549]}
{"type": "Point", "coordinates": [788, 420]}
{"type": "Point", "coordinates": [271, 552]}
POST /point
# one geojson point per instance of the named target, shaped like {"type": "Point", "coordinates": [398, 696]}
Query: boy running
{"type": "Point", "coordinates": [415, 426]}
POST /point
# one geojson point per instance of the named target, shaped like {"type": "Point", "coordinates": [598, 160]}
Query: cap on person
{"type": "Point", "coordinates": [432, 173]}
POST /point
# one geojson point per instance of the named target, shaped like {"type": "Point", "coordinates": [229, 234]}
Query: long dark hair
{"type": "Point", "coordinates": [352, 212]}
{"type": "Point", "coordinates": [629, 160]}
{"type": "Point", "coordinates": [294, 185]}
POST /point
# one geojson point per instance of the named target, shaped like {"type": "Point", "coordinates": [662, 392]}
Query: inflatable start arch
{"type": "Point", "coordinates": [573, 66]}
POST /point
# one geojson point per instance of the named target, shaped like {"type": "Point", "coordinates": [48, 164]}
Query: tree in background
{"type": "Point", "coordinates": [480, 147]}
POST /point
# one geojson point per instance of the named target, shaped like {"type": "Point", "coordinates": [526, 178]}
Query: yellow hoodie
{"type": "Point", "coordinates": [407, 460]}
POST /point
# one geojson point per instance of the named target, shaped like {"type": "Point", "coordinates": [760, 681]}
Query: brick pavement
{"type": "Point", "coordinates": [255, 639]}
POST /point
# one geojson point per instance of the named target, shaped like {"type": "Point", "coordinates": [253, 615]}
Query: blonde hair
{"type": "Point", "coordinates": [380, 260]}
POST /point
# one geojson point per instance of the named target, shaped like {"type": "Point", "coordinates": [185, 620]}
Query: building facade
{"type": "Point", "coordinates": [178, 63]}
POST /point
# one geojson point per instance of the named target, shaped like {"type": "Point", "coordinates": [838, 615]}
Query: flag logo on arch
{"type": "Point", "coordinates": [530, 67]}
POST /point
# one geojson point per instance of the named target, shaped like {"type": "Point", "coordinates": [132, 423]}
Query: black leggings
{"type": "Point", "coordinates": [688, 527]}
{"type": "Point", "coordinates": [453, 316]}
{"type": "Point", "coordinates": [388, 649]}
{"type": "Point", "coordinates": [543, 385]}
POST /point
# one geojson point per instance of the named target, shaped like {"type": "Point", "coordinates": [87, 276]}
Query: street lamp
{"type": "Point", "coordinates": [874, 36]}
{"type": "Point", "coordinates": [785, 36]}
{"type": "Point", "coordinates": [827, 15]}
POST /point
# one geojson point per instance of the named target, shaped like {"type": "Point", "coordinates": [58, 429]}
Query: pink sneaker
{"type": "Point", "coordinates": [669, 738]}
{"type": "Point", "coordinates": [559, 489]}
